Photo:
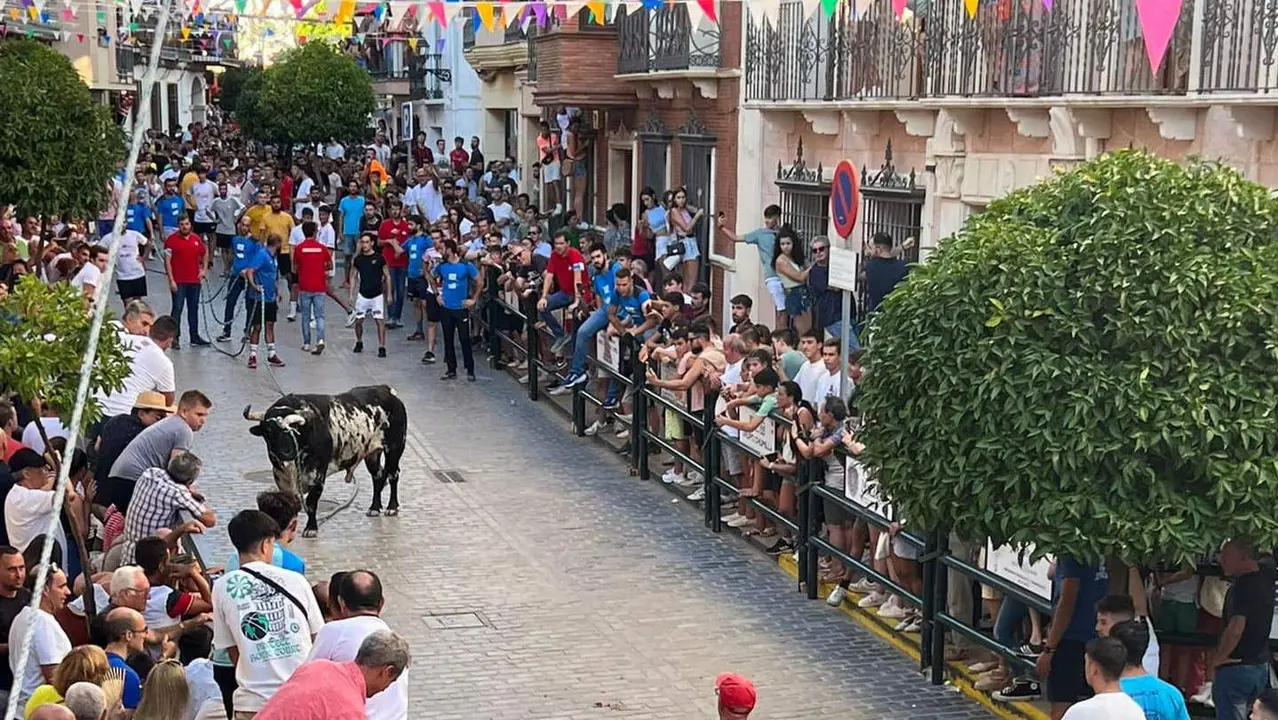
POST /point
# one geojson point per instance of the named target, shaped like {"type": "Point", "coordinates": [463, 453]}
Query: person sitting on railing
{"type": "Point", "coordinates": [627, 319]}
{"type": "Point", "coordinates": [829, 435]}
{"type": "Point", "coordinates": [567, 268]}
{"type": "Point", "coordinates": [602, 273]}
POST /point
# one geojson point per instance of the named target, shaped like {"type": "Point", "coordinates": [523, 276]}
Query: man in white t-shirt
{"type": "Point", "coordinates": [203, 193]}
{"type": "Point", "coordinates": [89, 280]}
{"type": "Point", "coordinates": [52, 428]}
{"type": "Point", "coordinates": [49, 643]}
{"type": "Point", "coordinates": [130, 273]}
{"type": "Point", "coordinates": [360, 602]}
{"type": "Point", "coordinates": [503, 214]}
{"type": "Point", "coordinates": [828, 384]}
{"type": "Point", "coordinates": [1103, 667]}
{"type": "Point", "coordinates": [28, 508]}
{"type": "Point", "coordinates": [813, 370]}
{"type": "Point", "coordinates": [264, 616]}
{"type": "Point", "coordinates": [149, 368]}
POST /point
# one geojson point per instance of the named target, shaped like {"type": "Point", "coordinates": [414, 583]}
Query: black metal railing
{"type": "Point", "coordinates": [665, 39]}
{"type": "Point", "coordinates": [426, 77]}
{"type": "Point", "coordinates": [1011, 48]}
{"type": "Point", "coordinates": [125, 61]}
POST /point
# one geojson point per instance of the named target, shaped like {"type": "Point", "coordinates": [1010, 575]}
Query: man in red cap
{"type": "Point", "coordinates": [736, 696]}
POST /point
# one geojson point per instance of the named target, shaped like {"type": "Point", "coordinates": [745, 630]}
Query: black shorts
{"type": "Point", "coordinates": [132, 288]}
{"type": "Point", "coordinates": [205, 228]}
{"type": "Point", "coordinates": [255, 310]}
{"type": "Point", "coordinates": [1067, 683]}
{"type": "Point", "coordinates": [418, 288]}
{"type": "Point", "coordinates": [434, 313]}
{"type": "Point", "coordinates": [223, 242]}
{"type": "Point", "coordinates": [772, 481]}
{"type": "Point", "coordinates": [285, 264]}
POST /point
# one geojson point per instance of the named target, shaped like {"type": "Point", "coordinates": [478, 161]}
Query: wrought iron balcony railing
{"type": "Point", "coordinates": [664, 39]}
{"type": "Point", "coordinates": [1012, 48]}
{"type": "Point", "coordinates": [426, 77]}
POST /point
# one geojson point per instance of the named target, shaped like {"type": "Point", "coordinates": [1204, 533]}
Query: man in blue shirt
{"type": "Point", "coordinates": [244, 250]}
{"type": "Point", "coordinates": [416, 247]}
{"type": "Point", "coordinates": [602, 275]}
{"type": "Point", "coordinates": [262, 277]}
{"type": "Point", "coordinates": [350, 212]}
{"type": "Point", "coordinates": [1159, 699]}
{"type": "Point", "coordinates": [171, 209]}
{"type": "Point", "coordinates": [626, 319]}
{"type": "Point", "coordinates": [138, 216]}
{"type": "Point", "coordinates": [455, 278]}
{"type": "Point", "coordinates": [126, 634]}
{"type": "Point", "coordinates": [1077, 588]}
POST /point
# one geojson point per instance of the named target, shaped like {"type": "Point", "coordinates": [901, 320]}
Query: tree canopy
{"type": "Point", "coordinates": [58, 148]}
{"type": "Point", "coordinates": [312, 94]}
{"type": "Point", "coordinates": [234, 83]}
{"type": "Point", "coordinates": [44, 331]}
{"type": "Point", "coordinates": [1090, 366]}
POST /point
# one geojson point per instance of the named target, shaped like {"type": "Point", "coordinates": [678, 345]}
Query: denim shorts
{"type": "Point", "coordinates": [348, 243]}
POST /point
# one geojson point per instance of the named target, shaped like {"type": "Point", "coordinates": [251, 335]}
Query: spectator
{"type": "Point", "coordinates": [8, 426]}
{"type": "Point", "coordinates": [49, 644]}
{"type": "Point", "coordinates": [53, 428]}
{"type": "Point", "coordinates": [1077, 587]}
{"type": "Point", "coordinates": [313, 261]}
{"type": "Point", "coordinates": [156, 445]}
{"type": "Point", "coordinates": [566, 271]}
{"type": "Point", "coordinates": [185, 261]}
{"type": "Point", "coordinates": [1241, 656]}
{"type": "Point", "coordinates": [28, 508]}
{"type": "Point", "coordinates": [160, 499]}
{"type": "Point", "coordinates": [261, 606]}
{"type": "Point", "coordinates": [194, 648]}
{"type": "Point", "coordinates": [166, 695]}
{"type": "Point", "coordinates": [149, 368]}
{"type": "Point", "coordinates": [1115, 609]}
{"type": "Point", "coordinates": [1266, 706]}
{"type": "Point", "coordinates": [52, 712]}
{"type": "Point", "coordinates": [764, 240]}
{"type": "Point", "coordinates": [327, 690]}
{"type": "Point", "coordinates": [603, 273]}
{"type": "Point", "coordinates": [84, 664]}
{"type": "Point", "coordinates": [263, 276]}
{"type": "Point", "coordinates": [128, 587]}
{"type": "Point", "coordinates": [1103, 666]}
{"type": "Point", "coordinates": [1157, 698]}
{"type": "Point", "coordinates": [13, 597]}
{"type": "Point", "coordinates": [86, 701]}
{"type": "Point", "coordinates": [360, 603]}
{"type": "Point", "coordinates": [115, 435]}
{"type": "Point", "coordinates": [736, 696]}
{"type": "Point", "coordinates": [882, 271]}
{"type": "Point", "coordinates": [165, 606]}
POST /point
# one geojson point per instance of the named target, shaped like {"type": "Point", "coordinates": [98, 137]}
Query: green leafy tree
{"type": "Point", "coordinates": [58, 148]}
{"type": "Point", "coordinates": [312, 94]}
{"type": "Point", "coordinates": [233, 84]}
{"type": "Point", "coordinates": [1090, 366]}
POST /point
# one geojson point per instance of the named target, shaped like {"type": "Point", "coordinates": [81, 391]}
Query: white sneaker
{"type": "Point", "coordinates": [623, 434]}
{"type": "Point", "coordinates": [916, 625]}
{"type": "Point", "coordinates": [893, 610]}
{"type": "Point", "coordinates": [698, 496]}
{"type": "Point", "coordinates": [292, 316]}
{"type": "Point", "coordinates": [671, 477]}
{"type": "Point", "coordinates": [559, 208]}
{"type": "Point", "coordinates": [523, 379]}
{"type": "Point", "coordinates": [594, 429]}
{"type": "Point", "coordinates": [837, 596]}
{"type": "Point", "coordinates": [741, 521]}
{"type": "Point", "coordinates": [694, 475]}
{"type": "Point", "coordinates": [864, 586]}
{"type": "Point", "coordinates": [350, 319]}
{"type": "Point", "coordinates": [1204, 696]}
{"type": "Point", "coordinates": [982, 667]}
{"type": "Point", "coordinates": [688, 482]}
{"type": "Point", "coordinates": [729, 517]}
{"type": "Point", "coordinates": [874, 599]}
{"type": "Point", "coordinates": [306, 348]}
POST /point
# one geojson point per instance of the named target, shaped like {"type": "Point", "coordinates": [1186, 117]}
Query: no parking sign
{"type": "Point", "coordinates": [845, 198]}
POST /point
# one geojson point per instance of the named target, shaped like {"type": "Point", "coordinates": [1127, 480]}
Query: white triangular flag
{"type": "Point", "coordinates": [510, 12]}
{"type": "Point", "coordinates": [809, 8]}
{"type": "Point", "coordinates": [696, 15]}
{"type": "Point", "coordinates": [451, 9]}
{"type": "Point", "coordinates": [572, 7]}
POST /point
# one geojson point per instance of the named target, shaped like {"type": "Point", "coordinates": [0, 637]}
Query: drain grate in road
{"type": "Point", "coordinates": [455, 621]}
{"type": "Point", "coordinates": [449, 476]}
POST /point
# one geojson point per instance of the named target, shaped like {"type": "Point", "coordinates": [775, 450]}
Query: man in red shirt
{"type": "Point", "coordinates": [458, 158]}
{"type": "Point", "coordinates": [325, 690]}
{"type": "Point", "coordinates": [391, 236]}
{"type": "Point", "coordinates": [311, 262]}
{"type": "Point", "coordinates": [286, 193]}
{"type": "Point", "coordinates": [567, 268]}
{"type": "Point", "coordinates": [185, 262]}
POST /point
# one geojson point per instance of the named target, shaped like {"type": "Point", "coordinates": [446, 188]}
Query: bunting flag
{"type": "Point", "coordinates": [653, 4]}
{"type": "Point", "coordinates": [436, 10]}
{"type": "Point", "coordinates": [710, 11]}
{"type": "Point", "coordinates": [510, 15]}
{"type": "Point", "coordinates": [80, 37]}
{"type": "Point", "coordinates": [484, 15]}
{"type": "Point", "coordinates": [240, 6]}
{"type": "Point", "coordinates": [596, 12]}
{"type": "Point", "coordinates": [451, 8]}
{"type": "Point", "coordinates": [412, 44]}
{"type": "Point", "coordinates": [439, 46]}
{"type": "Point", "coordinates": [1157, 22]}
{"type": "Point", "coordinates": [186, 33]}
{"type": "Point", "coordinates": [345, 11]}
{"type": "Point", "coordinates": [971, 6]}
{"type": "Point", "coordinates": [321, 9]}
{"type": "Point", "coordinates": [898, 7]}
{"type": "Point", "coordinates": [68, 15]}
{"type": "Point", "coordinates": [829, 6]}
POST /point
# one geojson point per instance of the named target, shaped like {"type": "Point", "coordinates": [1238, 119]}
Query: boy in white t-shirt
{"type": "Point", "coordinates": [49, 642]}
{"type": "Point", "coordinates": [1103, 666]}
{"type": "Point", "coordinates": [266, 617]}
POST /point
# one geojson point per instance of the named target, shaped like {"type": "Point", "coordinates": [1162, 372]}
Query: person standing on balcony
{"type": "Point", "coordinates": [548, 148]}
{"type": "Point", "coordinates": [576, 147]}
{"type": "Point", "coordinates": [765, 241]}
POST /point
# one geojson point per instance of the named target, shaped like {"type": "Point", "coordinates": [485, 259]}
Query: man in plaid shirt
{"type": "Point", "coordinates": [159, 499]}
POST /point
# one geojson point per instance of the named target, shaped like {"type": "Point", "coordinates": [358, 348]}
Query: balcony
{"type": "Point", "coordinates": [1011, 49]}
{"type": "Point", "coordinates": [664, 40]}
{"type": "Point", "coordinates": [573, 63]}
{"type": "Point", "coordinates": [125, 60]}
{"type": "Point", "coordinates": [426, 78]}
{"type": "Point", "coordinates": [493, 51]}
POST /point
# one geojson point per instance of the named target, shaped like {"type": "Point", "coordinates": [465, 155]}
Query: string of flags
{"type": "Point", "coordinates": [341, 19]}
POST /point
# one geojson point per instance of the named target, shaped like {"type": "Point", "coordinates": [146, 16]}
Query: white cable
{"type": "Point", "coordinates": [90, 355]}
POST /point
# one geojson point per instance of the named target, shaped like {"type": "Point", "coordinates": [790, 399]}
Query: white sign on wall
{"type": "Point", "coordinates": [763, 441]}
{"type": "Point", "coordinates": [1013, 565]}
{"type": "Point", "coordinates": [861, 489]}
{"type": "Point", "coordinates": [843, 267]}
{"type": "Point", "coordinates": [608, 351]}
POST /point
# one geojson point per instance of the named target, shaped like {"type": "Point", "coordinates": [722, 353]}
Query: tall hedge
{"type": "Point", "coordinates": [1091, 365]}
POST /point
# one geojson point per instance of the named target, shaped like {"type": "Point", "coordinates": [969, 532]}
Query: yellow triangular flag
{"type": "Point", "coordinates": [485, 10]}
{"type": "Point", "coordinates": [412, 44]}
{"type": "Point", "coordinates": [971, 6]}
{"type": "Point", "coordinates": [596, 11]}
{"type": "Point", "coordinates": [186, 33]}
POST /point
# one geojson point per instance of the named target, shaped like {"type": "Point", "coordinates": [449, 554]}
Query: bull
{"type": "Point", "coordinates": [309, 437]}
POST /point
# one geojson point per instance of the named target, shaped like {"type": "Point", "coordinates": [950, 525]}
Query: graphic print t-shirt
{"type": "Point", "coordinates": [272, 634]}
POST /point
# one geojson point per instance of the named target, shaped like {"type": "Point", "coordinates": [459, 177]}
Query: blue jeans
{"type": "Point", "coordinates": [557, 300]}
{"type": "Point", "coordinates": [311, 305]}
{"type": "Point", "coordinates": [233, 292]}
{"type": "Point", "coordinates": [1236, 687]}
{"type": "Point", "coordinates": [836, 331]}
{"type": "Point", "coordinates": [399, 281]}
{"type": "Point", "coordinates": [1010, 616]}
{"type": "Point", "coordinates": [187, 294]}
{"type": "Point", "coordinates": [586, 332]}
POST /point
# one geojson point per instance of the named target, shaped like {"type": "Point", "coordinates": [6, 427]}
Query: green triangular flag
{"type": "Point", "coordinates": [133, 27]}
{"type": "Point", "coordinates": [828, 7]}
{"type": "Point", "coordinates": [239, 6]}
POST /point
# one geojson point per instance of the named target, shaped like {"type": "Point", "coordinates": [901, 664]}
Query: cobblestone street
{"type": "Point", "coordinates": [548, 584]}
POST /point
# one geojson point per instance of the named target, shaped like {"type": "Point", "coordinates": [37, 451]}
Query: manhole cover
{"type": "Point", "coordinates": [455, 621]}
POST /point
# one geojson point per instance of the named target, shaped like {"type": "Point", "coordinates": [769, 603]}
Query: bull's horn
{"type": "Point", "coordinates": [254, 416]}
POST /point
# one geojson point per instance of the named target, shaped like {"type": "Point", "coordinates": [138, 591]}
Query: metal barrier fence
{"type": "Point", "coordinates": [940, 568]}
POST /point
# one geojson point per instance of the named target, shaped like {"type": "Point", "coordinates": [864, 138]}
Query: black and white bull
{"type": "Point", "coordinates": [309, 437]}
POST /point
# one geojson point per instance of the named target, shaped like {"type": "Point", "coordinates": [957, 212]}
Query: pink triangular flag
{"type": "Point", "coordinates": [898, 7]}
{"type": "Point", "coordinates": [1047, 4]}
{"type": "Point", "coordinates": [80, 37]}
{"type": "Point", "coordinates": [707, 6]}
{"type": "Point", "coordinates": [68, 14]}
{"type": "Point", "coordinates": [539, 12]}
{"type": "Point", "coordinates": [1157, 23]}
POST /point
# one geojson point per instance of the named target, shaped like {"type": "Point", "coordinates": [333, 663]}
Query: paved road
{"type": "Point", "coordinates": [590, 594]}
